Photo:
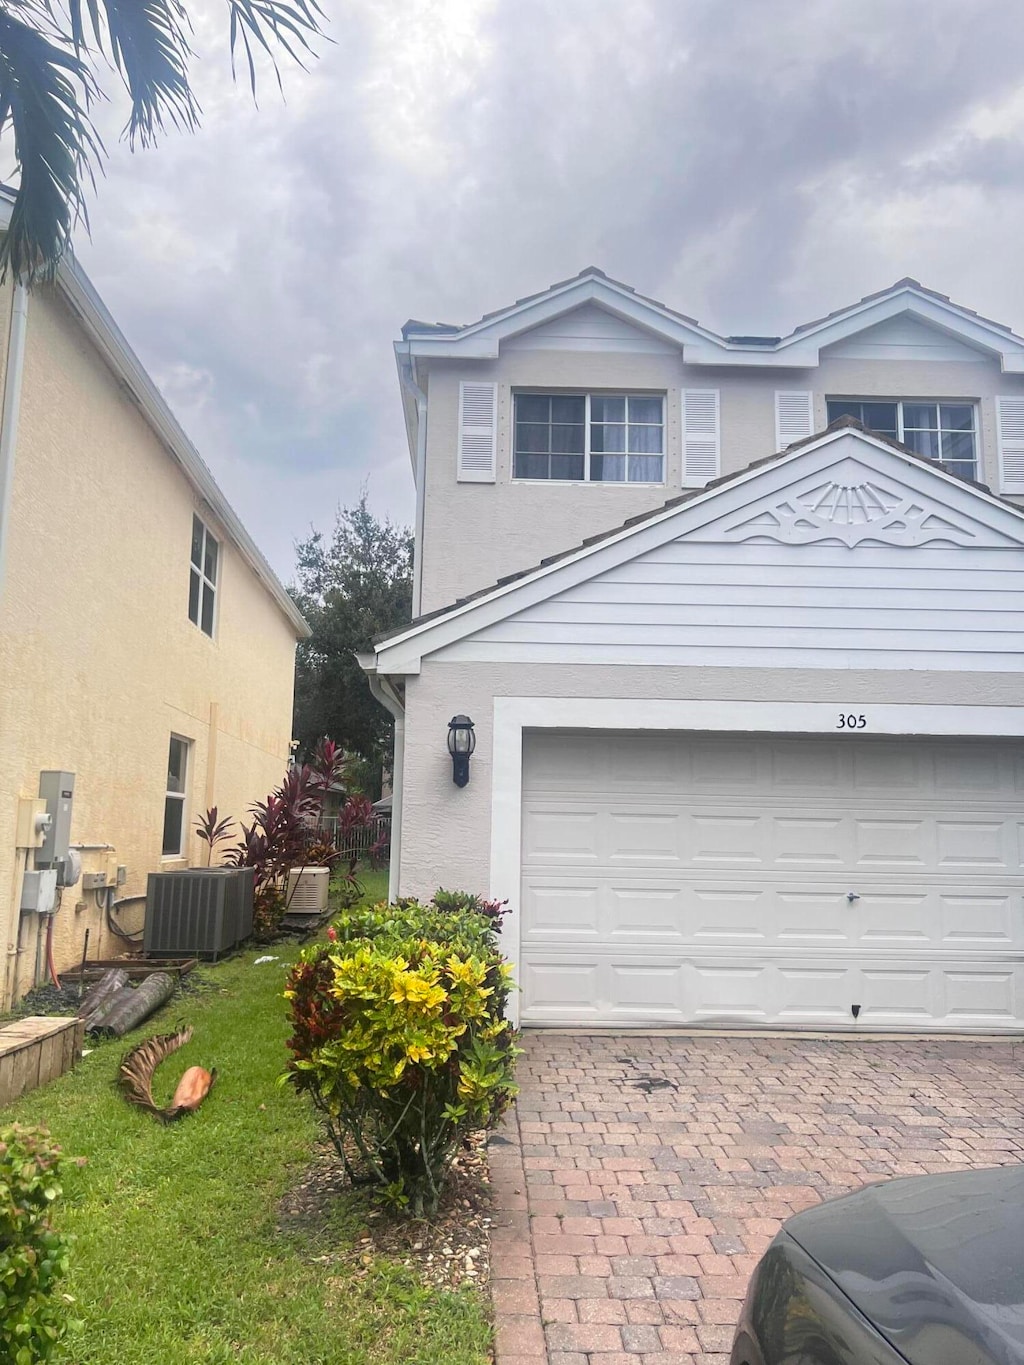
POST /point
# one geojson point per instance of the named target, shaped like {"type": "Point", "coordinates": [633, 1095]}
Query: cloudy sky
{"type": "Point", "coordinates": [753, 164]}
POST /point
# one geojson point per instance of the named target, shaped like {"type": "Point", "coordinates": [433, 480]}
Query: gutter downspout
{"type": "Point", "coordinates": [382, 690]}
{"type": "Point", "coordinates": [11, 408]}
{"type": "Point", "coordinates": [8, 441]}
{"type": "Point", "coordinates": [420, 399]}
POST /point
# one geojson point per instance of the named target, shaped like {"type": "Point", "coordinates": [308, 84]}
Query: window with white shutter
{"type": "Point", "coordinates": [701, 442]}
{"type": "Point", "coordinates": [1010, 425]}
{"type": "Point", "coordinates": [478, 432]}
{"type": "Point", "coordinates": [794, 416]}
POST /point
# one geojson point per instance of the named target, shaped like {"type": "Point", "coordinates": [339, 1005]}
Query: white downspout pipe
{"type": "Point", "coordinates": [383, 691]}
{"type": "Point", "coordinates": [11, 408]}
{"type": "Point", "coordinates": [420, 399]}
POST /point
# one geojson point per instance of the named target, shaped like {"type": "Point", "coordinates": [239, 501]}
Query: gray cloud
{"type": "Point", "coordinates": [753, 164]}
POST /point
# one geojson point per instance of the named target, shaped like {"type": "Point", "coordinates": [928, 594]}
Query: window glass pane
{"type": "Point", "coordinates": [608, 468]}
{"type": "Point", "coordinates": [567, 439]}
{"type": "Point", "coordinates": [197, 542]}
{"type": "Point", "coordinates": [956, 416]}
{"type": "Point", "coordinates": [569, 408]}
{"type": "Point", "coordinates": [919, 415]}
{"type": "Point", "coordinates": [210, 566]}
{"type": "Point", "coordinates": [193, 596]}
{"type": "Point", "coordinates": [529, 466]}
{"type": "Point", "coordinates": [963, 469]}
{"type": "Point", "coordinates": [567, 466]}
{"type": "Point", "coordinates": [880, 417]}
{"type": "Point", "coordinates": [645, 469]}
{"type": "Point", "coordinates": [958, 445]}
{"type": "Point", "coordinates": [923, 443]}
{"type": "Point", "coordinates": [645, 440]}
{"type": "Point", "coordinates": [645, 410]}
{"type": "Point", "coordinates": [177, 759]}
{"type": "Point", "coordinates": [839, 407]}
{"type": "Point", "coordinates": [174, 810]}
{"type": "Point", "coordinates": [533, 407]}
{"type": "Point", "coordinates": [532, 437]}
{"type": "Point", "coordinates": [604, 409]}
{"type": "Point", "coordinates": [608, 438]}
{"type": "Point", "coordinates": [207, 622]}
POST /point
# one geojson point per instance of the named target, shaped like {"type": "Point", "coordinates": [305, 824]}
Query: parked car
{"type": "Point", "coordinates": [927, 1270]}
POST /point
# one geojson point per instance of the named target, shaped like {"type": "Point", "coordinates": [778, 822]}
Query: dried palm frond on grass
{"type": "Point", "coordinates": [139, 1066]}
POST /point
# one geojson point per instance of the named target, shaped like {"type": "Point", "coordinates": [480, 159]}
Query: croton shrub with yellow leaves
{"type": "Point", "coordinates": [400, 1040]}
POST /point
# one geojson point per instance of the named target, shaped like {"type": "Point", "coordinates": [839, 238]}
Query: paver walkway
{"type": "Point", "coordinates": [640, 1178]}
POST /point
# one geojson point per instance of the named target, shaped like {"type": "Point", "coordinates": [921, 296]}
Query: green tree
{"type": "Point", "coordinates": [351, 588]}
{"type": "Point", "coordinates": [49, 52]}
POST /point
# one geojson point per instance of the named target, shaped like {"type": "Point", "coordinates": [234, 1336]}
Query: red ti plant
{"type": "Point", "coordinates": [279, 836]}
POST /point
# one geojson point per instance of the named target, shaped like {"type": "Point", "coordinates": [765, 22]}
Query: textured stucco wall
{"type": "Point", "coordinates": [99, 660]}
{"type": "Point", "coordinates": [475, 533]}
{"type": "Point", "coordinates": [446, 831]}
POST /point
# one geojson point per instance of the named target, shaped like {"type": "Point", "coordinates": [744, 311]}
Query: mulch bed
{"type": "Point", "coordinates": [447, 1251]}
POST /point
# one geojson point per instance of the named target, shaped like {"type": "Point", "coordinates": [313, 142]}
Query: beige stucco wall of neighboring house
{"type": "Point", "coordinates": [476, 533]}
{"type": "Point", "coordinates": [100, 663]}
{"type": "Point", "coordinates": [446, 831]}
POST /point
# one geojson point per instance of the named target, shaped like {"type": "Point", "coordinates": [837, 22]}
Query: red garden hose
{"type": "Point", "coordinates": [49, 952]}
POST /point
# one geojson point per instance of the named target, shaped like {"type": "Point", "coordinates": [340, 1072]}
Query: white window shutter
{"type": "Point", "coordinates": [701, 442]}
{"type": "Point", "coordinates": [794, 417]}
{"type": "Point", "coordinates": [478, 432]}
{"type": "Point", "coordinates": [1010, 425]}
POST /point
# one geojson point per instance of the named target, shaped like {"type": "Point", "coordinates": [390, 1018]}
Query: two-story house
{"type": "Point", "coordinates": [146, 647]}
{"type": "Point", "coordinates": [737, 623]}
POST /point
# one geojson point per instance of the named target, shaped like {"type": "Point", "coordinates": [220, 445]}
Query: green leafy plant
{"type": "Point", "coordinates": [33, 1256]}
{"type": "Point", "coordinates": [400, 1040]}
{"type": "Point", "coordinates": [213, 831]}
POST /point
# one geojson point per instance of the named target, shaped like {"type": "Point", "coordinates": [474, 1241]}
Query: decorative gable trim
{"type": "Point", "coordinates": [709, 514]}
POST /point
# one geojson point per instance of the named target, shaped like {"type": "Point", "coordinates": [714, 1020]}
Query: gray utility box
{"type": "Point", "coordinates": [203, 912]}
{"type": "Point", "coordinates": [58, 791]}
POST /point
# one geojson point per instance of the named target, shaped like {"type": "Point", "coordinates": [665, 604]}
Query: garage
{"type": "Point", "coordinates": [846, 881]}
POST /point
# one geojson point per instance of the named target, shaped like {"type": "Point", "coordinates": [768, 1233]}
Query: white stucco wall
{"type": "Point", "coordinates": [476, 533]}
{"type": "Point", "coordinates": [446, 831]}
{"type": "Point", "coordinates": [100, 663]}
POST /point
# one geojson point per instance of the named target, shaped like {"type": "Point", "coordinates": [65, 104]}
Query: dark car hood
{"type": "Point", "coordinates": [935, 1262]}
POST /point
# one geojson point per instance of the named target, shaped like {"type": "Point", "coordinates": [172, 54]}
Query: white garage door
{"type": "Point", "coordinates": [759, 880]}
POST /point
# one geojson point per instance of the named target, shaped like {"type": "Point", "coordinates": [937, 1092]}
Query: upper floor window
{"type": "Point", "coordinates": [589, 438]}
{"type": "Point", "coordinates": [202, 585]}
{"type": "Point", "coordinates": [946, 432]}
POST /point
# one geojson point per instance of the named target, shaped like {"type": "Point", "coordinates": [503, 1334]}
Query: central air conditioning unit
{"type": "Point", "coordinates": [202, 912]}
{"type": "Point", "coordinates": [307, 892]}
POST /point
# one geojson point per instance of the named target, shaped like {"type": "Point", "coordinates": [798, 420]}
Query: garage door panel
{"type": "Point", "coordinates": [718, 870]}
{"type": "Point", "coordinates": [982, 921]}
{"type": "Point", "coordinates": [983, 996]}
{"type": "Point", "coordinates": [891, 843]}
{"type": "Point", "coordinates": [985, 845]}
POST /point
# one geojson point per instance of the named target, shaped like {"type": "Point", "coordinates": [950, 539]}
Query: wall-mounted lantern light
{"type": "Point", "coordinates": [461, 743]}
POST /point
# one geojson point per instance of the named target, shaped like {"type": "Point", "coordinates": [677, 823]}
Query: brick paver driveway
{"type": "Point", "coordinates": [641, 1177]}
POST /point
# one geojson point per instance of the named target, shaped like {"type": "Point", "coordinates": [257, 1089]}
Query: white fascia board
{"type": "Point", "coordinates": [481, 340]}
{"type": "Point", "coordinates": [107, 337]}
{"type": "Point", "coordinates": [406, 378]}
{"type": "Point", "coordinates": [404, 653]}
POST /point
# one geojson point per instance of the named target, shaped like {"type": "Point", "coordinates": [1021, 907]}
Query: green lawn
{"type": "Point", "coordinates": [178, 1257]}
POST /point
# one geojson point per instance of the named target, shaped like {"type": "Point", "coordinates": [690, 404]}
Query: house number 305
{"type": "Point", "coordinates": [849, 722]}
